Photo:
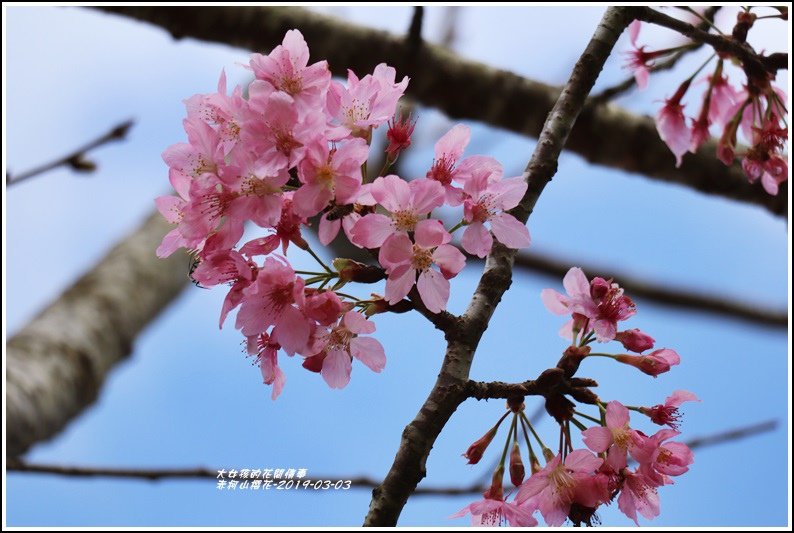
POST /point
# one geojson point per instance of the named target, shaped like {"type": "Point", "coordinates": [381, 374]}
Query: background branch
{"type": "Point", "coordinates": [482, 93]}
{"type": "Point", "coordinates": [359, 482]}
{"type": "Point", "coordinates": [57, 363]}
{"type": "Point", "coordinates": [76, 160]}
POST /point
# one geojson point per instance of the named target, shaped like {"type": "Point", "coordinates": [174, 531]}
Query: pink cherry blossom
{"type": "Point", "coordinates": [343, 343]}
{"type": "Point", "coordinates": [448, 150]}
{"type": "Point", "coordinates": [600, 302]}
{"type": "Point", "coordinates": [266, 352]}
{"type": "Point", "coordinates": [667, 413]}
{"type": "Point", "coordinates": [553, 489]}
{"type": "Point", "coordinates": [617, 438]}
{"type": "Point", "coordinates": [365, 103]}
{"type": "Point", "coordinates": [659, 459]}
{"type": "Point", "coordinates": [407, 203]}
{"type": "Point", "coordinates": [404, 260]}
{"type": "Point", "coordinates": [201, 154]}
{"type": "Point", "coordinates": [224, 113]}
{"type": "Point", "coordinates": [723, 101]}
{"type": "Point", "coordinates": [495, 512]}
{"type": "Point", "coordinates": [654, 363]}
{"type": "Point", "coordinates": [672, 128]}
{"type": "Point", "coordinates": [274, 299]}
{"type": "Point", "coordinates": [487, 202]}
{"type": "Point", "coordinates": [274, 129]}
{"type": "Point", "coordinates": [287, 69]}
{"type": "Point", "coordinates": [329, 175]}
{"type": "Point", "coordinates": [638, 495]}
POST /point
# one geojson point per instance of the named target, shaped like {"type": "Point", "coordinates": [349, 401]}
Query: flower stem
{"type": "Point", "coordinates": [588, 417]}
{"type": "Point", "coordinates": [320, 261]}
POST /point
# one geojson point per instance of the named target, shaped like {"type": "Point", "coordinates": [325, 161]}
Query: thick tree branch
{"type": "Point", "coordinates": [76, 160]}
{"type": "Point", "coordinates": [450, 389]}
{"type": "Point", "coordinates": [57, 363]}
{"type": "Point", "coordinates": [605, 134]}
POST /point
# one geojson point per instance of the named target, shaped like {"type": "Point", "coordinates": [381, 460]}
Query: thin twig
{"type": "Point", "coordinates": [358, 482]}
{"type": "Point", "coordinates": [76, 160]}
{"type": "Point", "coordinates": [630, 82]}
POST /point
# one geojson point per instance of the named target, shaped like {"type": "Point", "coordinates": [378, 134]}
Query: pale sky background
{"type": "Point", "coordinates": [189, 397]}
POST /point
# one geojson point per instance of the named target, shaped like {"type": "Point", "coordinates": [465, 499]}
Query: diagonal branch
{"type": "Point", "coordinates": [450, 389]}
{"type": "Point", "coordinates": [58, 362]}
{"type": "Point", "coordinates": [76, 160]}
{"type": "Point", "coordinates": [482, 93]}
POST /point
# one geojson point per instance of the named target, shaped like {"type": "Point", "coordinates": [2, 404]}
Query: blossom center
{"type": "Point", "coordinates": [562, 483]}
{"type": "Point", "coordinates": [405, 220]}
{"type": "Point", "coordinates": [340, 338]}
{"type": "Point", "coordinates": [284, 141]}
{"type": "Point", "coordinates": [442, 171]}
{"type": "Point", "coordinates": [422, 258]}
{"type": "Point", "coordinates": [291, 84]}
{"type": "Point", "coordinates": [325, 176]}
{"type": "Point", "coordinates": [253, 186]}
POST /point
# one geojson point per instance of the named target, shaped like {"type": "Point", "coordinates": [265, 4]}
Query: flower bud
{"type": "Point", "coordinates": [635, 340]}
{"type": "Point", "coordinates": [516, 466]}
{"type": "Point", "coordinates": [475, 451]}
{"type": "Point", "coordinates": [654, 363]}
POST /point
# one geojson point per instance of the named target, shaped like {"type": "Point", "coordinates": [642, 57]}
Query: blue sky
{"type": "Point", "coordinates": [189, 397]}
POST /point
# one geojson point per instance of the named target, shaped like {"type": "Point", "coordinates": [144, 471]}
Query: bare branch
{"type": "Point", "coordinates": [57, 363]}
{"type": "Point", "coordinates": [756, 65]}
{"type": "Point", "coordinates": [76, 160]}
{"type": "Point", "coordinates": [450, 389]}
{"type": "Point", "coordinates": [359, 482]}
{"type": "Point", "coordinates": [467, 90]}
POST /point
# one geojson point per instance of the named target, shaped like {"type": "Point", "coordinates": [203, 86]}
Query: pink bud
{"type": "Point", "coordinates": [635, 340]}
{"type": "Point", "coordinates": [475, 451]}
{"type": "Point", "coordinates": [516, 466]}
{"type": "Point", "coordinates": [654, 363]}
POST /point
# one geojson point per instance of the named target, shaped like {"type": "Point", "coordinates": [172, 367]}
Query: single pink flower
{"type": "Point", "coordinates": [617, 438]}
{"type": "Point", "coordinates": [266, 352]}
{"type": "Point", "coordinates": [654, 363]}
{"type": "Point", "coordinates": [638, 495]}
{"type": "Point", "coordinates": [722, 102]}
{"type": "Point", "coordinates": [274, 128]}
{"type": "Point", "coordinates": [224, 113]}
{"type": "Point", "coordinates": [407, 203]}
{"type": "Point", "coordinates": [366, 103]}
{"type": "Point", "coordinates": [287, 69]}
{"type": "Point", "coordinates": [329, 175]}
{"type": "Point", "coordinates": [659, 459]}
{"type": "Point", "coordinates": [287, 230]}
{"type": "Point", "coordinates": [274, 299]}
{"type": "Point", "coordinates": [257, 191]}
{"type": "Point", "coordinates": [600, 304]}
{"type": "Point", "coordinates": [487, 201]}
{"type": "Point", "coordinates": [672, 128]}
{"type": "Point", "coordinates": [448, 151]}
{"type": "Point", "coordinates": [495, 512]}
{"type": "Point", "coordinates": [635, 340]}
{"type": "Point", "coordinates": [201, 154]}
{"type": "Point", "coordinates": [343, 343]}
{"type": "Point", "coordinates": [667, 413]}
{"type": "Point", "coordinates": [554, 488]}
{"type": "Point", "coordinates": [404, 260]}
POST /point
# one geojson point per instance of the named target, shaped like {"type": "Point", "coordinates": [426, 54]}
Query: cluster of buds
{"type": "Point", "coordinates": [757, 110]}
{"type": "Point", "coordinates": [293, 152]}
{"type": "Point", "coordinates": [616, 460]}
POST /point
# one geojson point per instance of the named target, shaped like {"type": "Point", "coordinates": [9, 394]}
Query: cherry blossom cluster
{"type": "Point", "coordinates": [757, 110]}
{"type": "Point", "coordinates": [617, 460]}
{"type": "Point", "coordinates": [292, 151]}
